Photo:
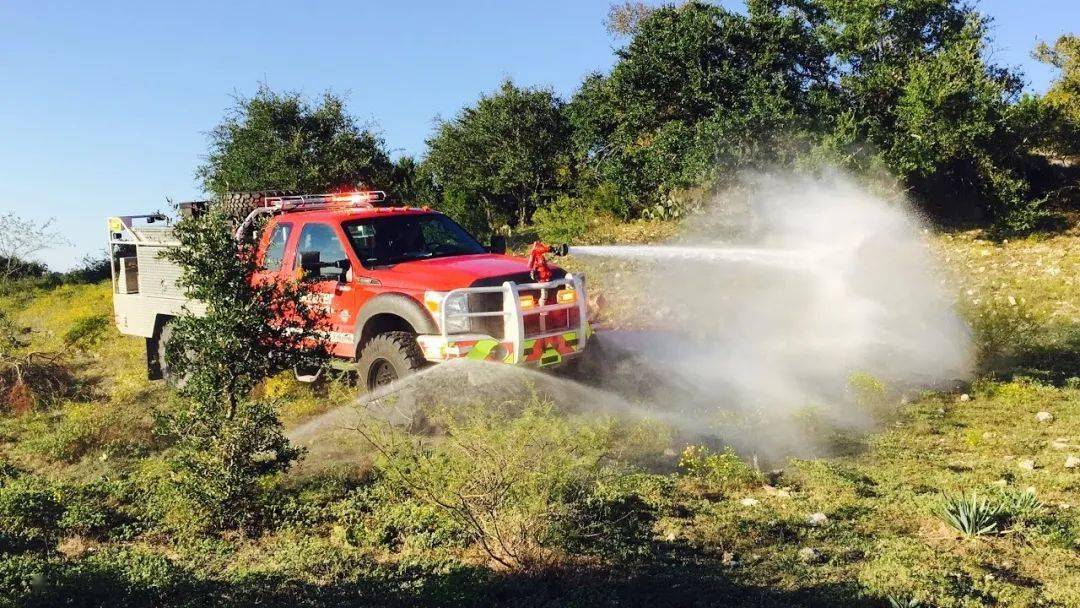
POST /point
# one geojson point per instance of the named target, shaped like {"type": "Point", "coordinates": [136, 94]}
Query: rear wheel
{"type": "Point", "coordinates": [168, 373]}
{"type": "Point", "coordinates": [389, 357]}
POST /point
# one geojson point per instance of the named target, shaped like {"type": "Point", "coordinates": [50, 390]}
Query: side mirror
{"type": "Point", "coordinates": [498, 244]}
{"type": "Point", "coordinates": [343, 268]}
{"type": "Point", "coordinates": [310, 263]}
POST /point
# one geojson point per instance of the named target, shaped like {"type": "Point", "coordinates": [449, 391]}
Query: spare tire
{"type": "Point", "coordinates": [237, 205]}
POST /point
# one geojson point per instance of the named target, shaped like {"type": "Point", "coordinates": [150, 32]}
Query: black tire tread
{"type": "Point", "coordinates": [237, 205]}
{"type": "Point", "coordinates": [402, 342]}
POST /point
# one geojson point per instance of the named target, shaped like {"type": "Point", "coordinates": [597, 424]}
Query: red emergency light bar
{"type": "Point", "coordinates": [360, 198]}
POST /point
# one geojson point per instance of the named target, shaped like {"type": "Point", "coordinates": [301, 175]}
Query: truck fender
{"type": "Point", "coordinates": [386, 312]}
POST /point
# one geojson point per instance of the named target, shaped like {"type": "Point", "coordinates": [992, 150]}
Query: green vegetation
{"type": "Point", "coordinates": [225, 441]}
{"type": "Point", "coordinates": [701, 92]}
{"type": "Point", "coordinates": [972, 515]}
{"type": "Point", "coordinates": [278, 141]}
{"type": "Point", "coordinates": [509, 155]}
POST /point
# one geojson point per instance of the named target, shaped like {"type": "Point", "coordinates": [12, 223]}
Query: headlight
{"type": "Point", "coordinates": [436, 302]}
{"type": "Point", "coordinates": [457, 303]}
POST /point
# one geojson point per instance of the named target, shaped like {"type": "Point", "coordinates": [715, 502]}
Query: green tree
{"type": "Point", "coordinates": [1058, 118]}
{"type": "Point", "coordinates": [697, 92]}
{"type": "Point", "coordinates": [916, 86]}
{"type": "Point", "coordinates": [1064, 55]}
{"type": "Point", "coordinates": [226, 440]}
{"type": "Point", "coordinates": [278, 141]}
{"type": "Point", "coordinates": [508, 154]}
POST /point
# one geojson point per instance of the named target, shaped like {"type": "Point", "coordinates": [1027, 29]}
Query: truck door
{"type": "Point", "coordinates": [274, 240]}
{"type": "Point", "coordinates": [333, 288]}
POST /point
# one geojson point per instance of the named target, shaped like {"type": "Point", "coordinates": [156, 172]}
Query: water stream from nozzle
{"type": "Point", "coordinates": [753, 255]}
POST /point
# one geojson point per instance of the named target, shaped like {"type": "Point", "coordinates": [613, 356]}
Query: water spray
{"type": "Point", "coordinates": [752, 255]}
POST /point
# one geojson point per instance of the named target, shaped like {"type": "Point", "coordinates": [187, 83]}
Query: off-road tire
{"type": "Point", "coordinates": [237, 205]}
{"type": "Point", "coordinates": [167, 374]}
{"type": "Point", "coordinates": [389, 357]}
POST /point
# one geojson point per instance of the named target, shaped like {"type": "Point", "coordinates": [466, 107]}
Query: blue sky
{"type": "Point", "coordinates": [104, 106]}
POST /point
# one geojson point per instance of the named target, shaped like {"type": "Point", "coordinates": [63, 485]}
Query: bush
{"type": "Point", "coordinates": [30, 509]}
{"type": "Point", "coordinates": [228, 442]}
{"type": "Point", "coordinates": [88, 331]}
{"type": "Point", "coordinates": [27, 377]}
{"type": "Point", "coordinates": [563, 221]}
{"type": "Point", "coordinates": [608, 518]}
{"type": "Point", "coordinates": [522, 483]}
{"type": "Point", "coordinates": [385, 514]}
{"type": "Point", "coordinates": [91, 269]}
{"type": "Point", "coordinates": [83, 428]}
{"type": "Point", "coordinates": [113, 577]}
{"type": "Point", "coordinates": [723, 471]}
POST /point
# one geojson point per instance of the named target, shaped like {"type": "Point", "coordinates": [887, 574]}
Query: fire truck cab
{"type": "Point", "coordinates": [400, 287]}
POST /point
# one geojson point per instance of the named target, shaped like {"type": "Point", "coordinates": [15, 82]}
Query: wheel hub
{"type": "Point", "coordinates": [382, 374]}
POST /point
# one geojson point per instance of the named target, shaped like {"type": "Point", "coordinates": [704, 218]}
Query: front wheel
{"type": "Point", "coordinates": [388, 357]}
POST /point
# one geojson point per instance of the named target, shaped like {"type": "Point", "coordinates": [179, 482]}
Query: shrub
{"type": "Point", "coordinates": [523, 483]}
{"type": "Point", "coordinates": [972, 515]}
{"type": "Point", "coordinates": [385, 514]}
{"type": "Point", "coordinates": [113, 577]}
{"type": "Point", "coordinates": [609, 518]}
{"type": "Point", "coordinates": [87, 332]}
{"type": "Point", "coordinates": [27, 377]}
{"type": "Point", "coordinates": [724, 471]}
{"type": "Point", "coordinates": [91, 269]}
{"type": "Point", "coordinates": [563, 221]}
{"type": "Point", "coordinates": [83, 428]}
{"type": "Point", "coordinates": [1020, 507]}
{"type": "Point", "coordinates": [228, 441]}
{"type": "Point", "coordinates": [20, 576]}
{"type": "Point", "coordinates": [29, 511]}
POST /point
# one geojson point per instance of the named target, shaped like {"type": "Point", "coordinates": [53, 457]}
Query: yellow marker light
{"type": "Point", "coordinates": [527, 302]}
{"type": "Point", "coordinates": [433, 300]}
{"type": "Point", "coordinates": [566, 296]}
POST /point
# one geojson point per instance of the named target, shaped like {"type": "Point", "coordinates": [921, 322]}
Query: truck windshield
{"type": "Point", "coordinates": [380, 241]}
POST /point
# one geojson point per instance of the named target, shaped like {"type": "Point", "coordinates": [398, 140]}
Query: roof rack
{"type": "Point", "coordinates": [307, 202]}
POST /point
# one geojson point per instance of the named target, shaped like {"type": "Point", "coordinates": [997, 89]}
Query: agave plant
{"type": "Point", "coordinates": [1020, 506]}
{"type": "Point", "coordinates": [903, 601]}
{"type": "Point", "coordinates": [972, 515]}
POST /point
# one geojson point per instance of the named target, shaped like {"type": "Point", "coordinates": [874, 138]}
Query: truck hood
{"type": "Point", "coordinates": [444, 274]}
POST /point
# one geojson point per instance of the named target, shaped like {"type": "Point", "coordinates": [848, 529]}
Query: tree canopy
{"type": "Point", "coordinates": [508, 154]}
{"type": "Point", "coordinates": [279, 141]}
{"type": "Point", "coordinates": [698, 93]}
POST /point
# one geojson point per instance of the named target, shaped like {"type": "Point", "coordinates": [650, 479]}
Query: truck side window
{"type": "Point", "coordinates": [275, 247]}
{"type": "Point", "coordinates": [322, 238]}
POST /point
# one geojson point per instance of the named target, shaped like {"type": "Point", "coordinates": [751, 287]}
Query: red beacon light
{"type": "Point", "coordinates": [363, 198]}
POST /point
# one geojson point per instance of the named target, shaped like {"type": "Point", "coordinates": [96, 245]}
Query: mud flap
{"type": "Point", "coordinates": [153, 365]}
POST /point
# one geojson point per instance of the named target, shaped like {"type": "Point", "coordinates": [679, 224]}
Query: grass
{"type": "Point", "coordinates": [77, 480]}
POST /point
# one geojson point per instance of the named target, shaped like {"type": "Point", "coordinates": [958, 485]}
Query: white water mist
{"type": "Point", "coordinates": [786, 288]}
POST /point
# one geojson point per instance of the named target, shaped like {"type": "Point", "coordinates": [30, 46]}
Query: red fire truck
{"type": "Point", "coordinates": [400, 287]}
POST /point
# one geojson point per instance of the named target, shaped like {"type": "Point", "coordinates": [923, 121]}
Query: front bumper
{"type": "Point", "coordinates": [541, 348]}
